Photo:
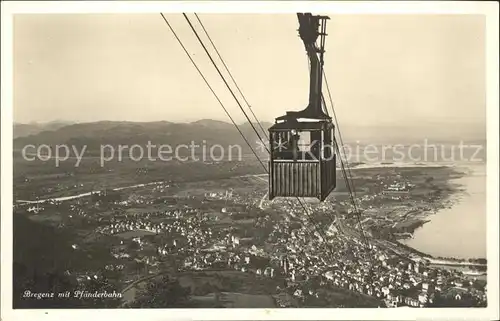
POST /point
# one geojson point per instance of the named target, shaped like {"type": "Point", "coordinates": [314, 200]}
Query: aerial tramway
{"type": "Point", "coordinates": [295, 170]}
{"type": "Point", "coordinates": [308, 170]}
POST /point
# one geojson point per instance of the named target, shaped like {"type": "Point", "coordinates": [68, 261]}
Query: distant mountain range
{"type": "Point", "coordinates": [21, 130]}
{"type": "Point", "coordinates": [95, 134]}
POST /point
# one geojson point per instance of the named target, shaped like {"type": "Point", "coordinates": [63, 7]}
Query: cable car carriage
{"type": "Point", "coordinates": [303, 161]}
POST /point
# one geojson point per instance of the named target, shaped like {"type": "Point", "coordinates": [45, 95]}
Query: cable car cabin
{"type": "Point", "coordinates": [303, 161]}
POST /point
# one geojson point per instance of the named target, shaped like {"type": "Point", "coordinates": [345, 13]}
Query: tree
{"type": "Point", "coordinates": [205, 289]}
{"type": "Point", "coordinates": [31, 279]}
{"type": "Point", "coordinates": [164, 293]}
{"type": "Point", "coordinates": [479, 285]}
{"type": "Point", "coordinates": [100, 285]}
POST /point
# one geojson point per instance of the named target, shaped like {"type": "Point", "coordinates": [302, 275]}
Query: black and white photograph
{"type": "Point", "coordinates": [301, 159]}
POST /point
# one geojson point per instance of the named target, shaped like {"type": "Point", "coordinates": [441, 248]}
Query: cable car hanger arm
{"type": "Point", "coordinates": [310, 29]}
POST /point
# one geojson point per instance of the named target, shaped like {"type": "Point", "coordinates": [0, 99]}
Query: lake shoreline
{"type": "Point", "coordinates": [451, 203]}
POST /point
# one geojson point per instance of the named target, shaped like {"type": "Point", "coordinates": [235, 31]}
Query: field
{"type": "Point", "coordinates": [37, 178]}
{"type": "Point", "coordinates": [234, 300]}
{"type": "Point", "coordinates": [339, 297]}
{"type": "Point", "coordinates": [221, 288]}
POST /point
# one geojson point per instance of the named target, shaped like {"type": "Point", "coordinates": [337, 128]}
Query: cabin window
{"type": "Point", "coordinates": [304, 141]}
{"type": "Point", "coordinates": [283, 144]}
{"type": "Point", "coordinates": [296, 145]}
{"type": "Point", "coordinates": [328, 144]}
{"type": "Point", "coordinates": [315, 144]}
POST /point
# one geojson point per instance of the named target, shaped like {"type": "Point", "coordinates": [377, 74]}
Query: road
{"type": "Point", "coordinates": [71, 197]}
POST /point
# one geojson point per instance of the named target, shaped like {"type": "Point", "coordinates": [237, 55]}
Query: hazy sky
{"type": "Point", "coordinates": [403, 69]}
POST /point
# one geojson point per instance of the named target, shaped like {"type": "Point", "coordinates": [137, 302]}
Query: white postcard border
{"type": "Point", "coordinates": [489, 9]}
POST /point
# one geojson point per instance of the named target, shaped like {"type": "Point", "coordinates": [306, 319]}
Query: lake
{"type": "Point", "coordinates": [459, 231]}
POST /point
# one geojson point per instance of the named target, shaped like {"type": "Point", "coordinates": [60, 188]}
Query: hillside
{"type": "Point", "coordinates": [93, 135]}
{"type": "Point", "coordinates": [21, 130]}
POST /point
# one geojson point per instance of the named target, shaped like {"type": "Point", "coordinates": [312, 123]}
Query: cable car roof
{"type": "Point", "coordinates": [286, 126]}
